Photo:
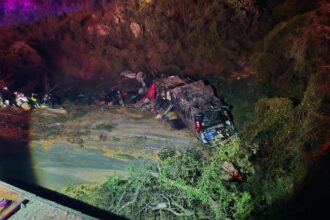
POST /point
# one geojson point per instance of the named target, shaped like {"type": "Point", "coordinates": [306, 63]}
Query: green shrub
{"type": "Point", "coordinates": [185, 185]}
{"type": "Point", "coordinates": [286, 135]}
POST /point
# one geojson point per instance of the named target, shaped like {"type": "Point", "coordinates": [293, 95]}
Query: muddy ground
{"type": "Point", "coordinates": [87, 145]}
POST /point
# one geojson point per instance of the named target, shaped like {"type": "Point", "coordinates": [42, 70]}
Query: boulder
{"type": "Point", "coordinates": [136, 29]}
{"type": "Point", "coordinates": [230, 172]}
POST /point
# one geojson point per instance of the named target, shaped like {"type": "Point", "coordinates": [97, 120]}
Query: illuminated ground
{"type": "Point", "coordinates": [87, 145]}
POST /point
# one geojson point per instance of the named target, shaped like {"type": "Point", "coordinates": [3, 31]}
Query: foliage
{"type": "Point", "coordinates": [272, 115]}
{"type": "Point", "coordinates": [286, 134]}
{"type": "Point", "coordinates": [229, 199]}
{"type": "Point", "coordinates": [128, 197]}
{"type": "Point", "coordinates": [83, 192]}
{"type": "Point", "coordinates": [185, 185]}
{"type": "Point", "coordinates": [274, 64]}
{"type": "Point", "coordinates": [291, 52]}
{"type": "Point", "coordinates": [290, 64]}
{"type": "Point", "coordinates": [279, 159]}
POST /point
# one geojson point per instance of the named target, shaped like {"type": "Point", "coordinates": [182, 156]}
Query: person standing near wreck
{"type": "Point", "coordinates": [148, 98]}
{"type": "Point", "coordinates": [33, 101]}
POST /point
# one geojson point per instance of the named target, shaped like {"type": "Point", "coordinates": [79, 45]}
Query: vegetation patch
{"type": "Point", "coordinates": [83, 192]}
{"type": "Point", "coordinates": [106, 127]}
{"type": "Point", "coordinates": [184, 185]}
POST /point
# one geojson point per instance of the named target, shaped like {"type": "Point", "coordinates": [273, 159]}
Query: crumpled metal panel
{"type": "Point", "coordinates": [194, 97]}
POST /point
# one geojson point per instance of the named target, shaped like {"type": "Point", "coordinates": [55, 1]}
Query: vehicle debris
{"type": "Point", "coordinates": [197, 107]}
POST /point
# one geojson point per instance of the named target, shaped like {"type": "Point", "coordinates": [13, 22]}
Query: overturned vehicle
{"type": "Point", "coordinates": [196, 105]}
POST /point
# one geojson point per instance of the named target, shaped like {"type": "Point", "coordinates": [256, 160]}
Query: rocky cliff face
{"type": "Point", "coordinates": [89, 40]}
{"type": "Point", "coordinates": [52, 41]}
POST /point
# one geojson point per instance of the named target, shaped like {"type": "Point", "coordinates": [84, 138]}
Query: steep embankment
{"type": "Point", "coordinates": [200, 39]}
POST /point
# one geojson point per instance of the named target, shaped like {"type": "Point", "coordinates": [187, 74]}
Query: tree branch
{"type": "Point", "coordinates": [136, 194]}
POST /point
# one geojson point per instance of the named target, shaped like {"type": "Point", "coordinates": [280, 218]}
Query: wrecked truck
{"type": "Point", "coordinates": [196, 105]}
